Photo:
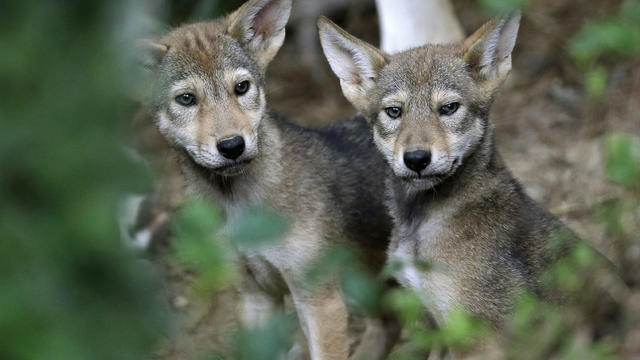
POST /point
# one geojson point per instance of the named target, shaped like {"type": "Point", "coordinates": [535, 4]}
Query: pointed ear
{"type": "Point", "coordinates": [150, 53]}
{"type": "Point", "coordinates": [488, 50]}
{"type": "Point", "coordinates": [356, 63]}
{"type": "Point", "coordinates": [259, 25]}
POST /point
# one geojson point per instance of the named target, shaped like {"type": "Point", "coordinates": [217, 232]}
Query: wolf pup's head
{"type": "Point", "coordinates": [208, 95]}
{"type": "Point", "coordinates": [429, 106]}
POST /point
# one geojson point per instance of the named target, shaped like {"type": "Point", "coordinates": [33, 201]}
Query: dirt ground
{"type": "Point", "coordinates": [549, 131]}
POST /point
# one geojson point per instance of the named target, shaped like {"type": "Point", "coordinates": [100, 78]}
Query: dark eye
{"type": "Point", "coordinates": [393, 112]}
{"type": "Point", "coordinates": [241, 88]}
{"type": "Point", "coordinates": [186, 99]}
{"type": "Point", "coordinates": [449, 109]}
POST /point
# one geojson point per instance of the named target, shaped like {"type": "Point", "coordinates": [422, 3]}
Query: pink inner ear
{"type": "Point", "coordinates": [346, 57]}
{"type": "Point", "coordinates": [267, 21]}
{"type": "Point", "coordinates": [508, 35]}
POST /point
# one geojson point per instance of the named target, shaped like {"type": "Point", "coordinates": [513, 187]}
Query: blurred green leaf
{"type": "Point", "coordinates": [568, 272]}
{"type": "Point", "coordinates": [70, 289]}
{"type": "Point", "coordinates": [340, 263]}
{"type": "Point", "coordinates": [460, 333]}
{"type": "Point", "coordinates": [630, 11]}
{"type": "Point", "coordinates": [579, 350]}
{"type": "Point", "coordinates": [596, 82]}
{"type": "Point", "coordinates": [463, 330]}
{"type": "Point", "coordinates": [269, 341]}
{"type": "Point", "coordinates": [622, 159]}
{"type": "Point", "coordinates": [537, 326]}
{"type": "Point", "coordinates": [196, 228]}
{"type": "Point", "coordinates": [610, 215]}
{"type": "Point", "coordinates": [583, 256]}
{"type": "Point", "coordinates": [613, 37]}
{"type": "Point", "coordinates": [363, 289]}
{"type": "Point", "coordinates": [406, 304]}
{"type": "Point", "coordinates": [502, 6]}
{"type": "Point", "coordinates": [259, 226]}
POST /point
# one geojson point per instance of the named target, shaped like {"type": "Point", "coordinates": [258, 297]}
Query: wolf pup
{"type": "Point", "coordinates": [209, 103]}
{"type": "Point", "coordinates": [454, 203]}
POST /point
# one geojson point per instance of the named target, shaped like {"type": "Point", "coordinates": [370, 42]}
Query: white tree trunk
{"type": "Point", "coordinates": [405, 24]}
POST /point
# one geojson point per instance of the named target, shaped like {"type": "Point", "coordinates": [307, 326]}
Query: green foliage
{"type": "Point", "coordinates": [601, 350]}
{"type": "Point", "coordinates": [461, 332]}
{"type": "Point", "coordinates": [194, 228]}
{"type": "Point", "coordinates": [406, 304]}
{"type": "Point", "coordinates": [611, 38]}
{"type": "Point", "coordinates": [614, 37]}
{"type": "Point", "coordinates": [269, 341]}
{"type": "Point", "coordinates": [502, 6]}
{"type": "Point", "coordinates": [617, 36]}
{"type": "Point", "coordinates": [259, 227]}
{"type": "Point", "coordinates": [595, 81]}
{"type": "Point", "coordinates": [623, 159]}
{"type": "Point", "coordinates": [621, 215]}
{"type": "Point", "coordinates": [536, 326]}
{"type": "Point", "coordinates": [358, 284]}
{"type": "Point", "coordinates": [196, 245]}
{"type": "Point", "coordinates": [617, 216]}
{"type": "Point", "coordinates": [69, 288]}
{"type": "Point", "coordinates": [201, 244]}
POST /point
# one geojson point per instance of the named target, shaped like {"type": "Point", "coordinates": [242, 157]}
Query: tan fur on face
{"type": "Point", "coordinates": [194, 66]}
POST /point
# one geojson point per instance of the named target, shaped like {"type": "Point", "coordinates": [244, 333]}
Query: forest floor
{"type": "Point", "coordinates": [549, 131]}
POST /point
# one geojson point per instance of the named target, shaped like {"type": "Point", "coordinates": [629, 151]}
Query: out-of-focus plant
{"type": "Point", "coordinates": [196, 245]}
{"type": "Point", "coordinates": [614, 37]}
{"type": "Point", "coordinates": [623, 160]}
{"type": "Point", "coordinates": [202, 244]}
{"type": "Point", "coordinates": [362, 289]}
{"type": "Point", "coordinates": [271, 340]}
{"type": "Point", "coordinates": [69, 289]}
{"type": "Point", "coordinates": [207, 243]}
{"type": "Point", "coordinates": [460, 333]}
{"type": "Point", "coordinates": [582, 284]}
{"type": "Point", "coordinates": [502, 6]}
{"type": "Point", "coordinates": [621, 215]}
{"type": "Point", "coordinates": [597, 42]}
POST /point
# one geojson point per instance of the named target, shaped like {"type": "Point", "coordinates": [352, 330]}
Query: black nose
{"type": "Point", "coordinates": [231, 148]}
{"type": "Point", "coordinates": [417, 160]}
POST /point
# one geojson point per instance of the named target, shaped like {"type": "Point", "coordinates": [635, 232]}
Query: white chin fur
{"type": "Point", "coordinates": [205, 158]}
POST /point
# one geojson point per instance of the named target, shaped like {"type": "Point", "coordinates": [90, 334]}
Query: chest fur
{"type": "Point", "coordinates": [417, 246]}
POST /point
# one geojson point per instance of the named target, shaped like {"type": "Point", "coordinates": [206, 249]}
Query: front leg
{"type": "Point", "coordinates": [323, 316]}
{"type": "Point", "coordinates": [377, 340]}
{"type": "Point", "coordinates": [256, 302]}
{"type": "Point", "coordinates": [256, 307]}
